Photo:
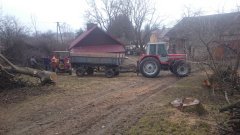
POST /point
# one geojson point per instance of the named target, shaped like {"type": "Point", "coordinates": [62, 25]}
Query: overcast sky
{"type": "Point", "coordinates": [48, 12]}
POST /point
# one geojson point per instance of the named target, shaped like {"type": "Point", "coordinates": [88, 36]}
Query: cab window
{"type": "Point", "coordinates": [162, 50]}
{"type": "Point", "coordinates": [152, 49]}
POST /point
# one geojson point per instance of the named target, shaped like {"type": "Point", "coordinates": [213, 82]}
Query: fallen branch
{"type": "Point", "coordinates": [226, 97]}
{"type": "Point", "coordinates": [231, 106]}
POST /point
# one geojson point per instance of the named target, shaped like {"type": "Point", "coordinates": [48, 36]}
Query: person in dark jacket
{"type": "Point", "coordinates": [46, 62]}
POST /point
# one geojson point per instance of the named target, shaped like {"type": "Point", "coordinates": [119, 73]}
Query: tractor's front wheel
{"type": "Point", "coordinates": [150, 67]}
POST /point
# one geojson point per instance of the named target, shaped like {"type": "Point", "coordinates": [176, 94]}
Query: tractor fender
{"type": "Point", "coordinates": [144, 57]}
{"type": "Point", "coordinates": [147, 56]}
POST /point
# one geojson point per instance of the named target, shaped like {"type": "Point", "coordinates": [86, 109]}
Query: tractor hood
{"type": "Point", "coordinates": [177, 56]}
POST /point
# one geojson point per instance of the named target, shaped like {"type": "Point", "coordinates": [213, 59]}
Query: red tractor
{"type": "Point", "coordinates": [157, 58]}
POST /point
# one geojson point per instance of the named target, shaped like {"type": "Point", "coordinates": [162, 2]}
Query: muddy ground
{"type": "Point", "coordinates": [88, 105]}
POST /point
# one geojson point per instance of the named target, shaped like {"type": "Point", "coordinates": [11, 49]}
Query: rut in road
{"type": "Point", "coordinates": [127, 113]}
{"type": "Point", "coordinates": [111, 108]}
{"type": "Point", "coordinates": [104, 109]}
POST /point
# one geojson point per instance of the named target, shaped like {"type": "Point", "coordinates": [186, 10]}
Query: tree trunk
{"type": "Point", "coordinates": [44, 76]}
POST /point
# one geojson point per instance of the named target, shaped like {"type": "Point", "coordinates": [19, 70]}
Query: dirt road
{"type": "Point", "coordinates": [89, 105]}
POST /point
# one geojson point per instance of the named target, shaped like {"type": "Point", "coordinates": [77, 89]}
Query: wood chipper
{"type": "Point", "coordinates": [60, 62]}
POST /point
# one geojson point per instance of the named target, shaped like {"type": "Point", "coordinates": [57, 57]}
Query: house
{"type": "Point", "coordinates": [220, 32]}
{"type": "Point", "coordinates": [95, 40]}
{"type": "Point", "coordinates": [159, 35]}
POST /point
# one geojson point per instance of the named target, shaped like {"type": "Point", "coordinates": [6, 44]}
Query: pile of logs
{"type": "Point", "coordinates": [9, 71]}
{"type": "Point", "coordinates": [232, 125]}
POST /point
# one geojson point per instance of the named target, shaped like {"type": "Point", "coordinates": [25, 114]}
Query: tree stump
{"type": "Point", "coordinates": [191, 105]}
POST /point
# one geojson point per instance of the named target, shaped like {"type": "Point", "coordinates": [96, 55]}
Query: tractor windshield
{"type": "Point", "coordinates": [157, 49]}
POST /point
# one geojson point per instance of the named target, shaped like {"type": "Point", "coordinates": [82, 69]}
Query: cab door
{"type": "Point", "coordinates": [162, 52]}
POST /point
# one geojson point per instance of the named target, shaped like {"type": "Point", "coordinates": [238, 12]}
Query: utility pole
{"type": "Point", "coordinates": [59, 29]}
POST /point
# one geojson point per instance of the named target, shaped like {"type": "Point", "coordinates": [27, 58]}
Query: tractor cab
{"type": "Point", "coordinates": [158, 49]}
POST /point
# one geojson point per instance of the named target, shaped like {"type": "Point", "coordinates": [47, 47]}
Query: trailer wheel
{"type": "Point", "coordinates": [116, 71]}
{"type": "Point", "coordinates": [80, 72]}
{"type": "Point", "coordinates": [109, 73]}
{"type": "Point", "coordinates": [70, 72]}
{"type": "Point", "coordinates": [90, 71]}
{"type": "Point", "coordinates": [182, 69]}
{"type": "Point", "coordinates": [150, 67]}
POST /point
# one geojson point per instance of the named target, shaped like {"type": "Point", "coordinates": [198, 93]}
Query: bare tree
{"type": "Point", "coordinates": [142, 13]}
{"type": "Point", "coordinates": [34, 24]}
{"type": "Point", "coordinates": [188, 11]}
{"type": "Point", "coordinates": [103, 12]}
{"type": "Point", "coordinates": [12, 36]}
{"type": "Point", "coordinates": [215, 40]}
{"type": "Point", "coordinates": [139, 12]}
{"type": "Point", "coordinates": [218, 31]}
{"type": "Point", "coordinates": [122, 29]}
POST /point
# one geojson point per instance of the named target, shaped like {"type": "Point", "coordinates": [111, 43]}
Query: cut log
{"type": "Point", "coordinates": [44, 76]}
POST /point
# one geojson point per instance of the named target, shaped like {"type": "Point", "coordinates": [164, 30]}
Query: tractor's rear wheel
{"type": "Point", "coordinates": [181, 69]}
{"type": "Point", "coordinates": [150, 67]}
{"type": "Point", "coordinates": [116, 71]}
{"type": "Point", "coordinates": [173, 66]}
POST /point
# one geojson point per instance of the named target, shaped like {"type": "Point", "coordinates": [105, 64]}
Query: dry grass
{"type": "Point", "coordinates": [165, 120]}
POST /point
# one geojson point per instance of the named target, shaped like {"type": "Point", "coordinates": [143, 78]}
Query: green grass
{"type": "Point", "coordinates": [166, 120]}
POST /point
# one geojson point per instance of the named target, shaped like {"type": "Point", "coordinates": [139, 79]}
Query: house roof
{"type": "Point", "coordinates": [95, 39]}
{"type": "Point", "coordinates": [216, 20]}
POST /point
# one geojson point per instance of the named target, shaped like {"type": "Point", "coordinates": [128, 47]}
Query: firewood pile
{"type": "Point", "coordinates": [232, 125]}
{"type": "Point", "coordinates": [9, 74]}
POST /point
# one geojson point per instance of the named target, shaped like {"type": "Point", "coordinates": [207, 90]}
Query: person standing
{"type": "Point", "coordinates": [33, 62]}
{"type": "Point", "coordinates": [46, 62]}
{"type": "Point", "coordinates": [54, 63]}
